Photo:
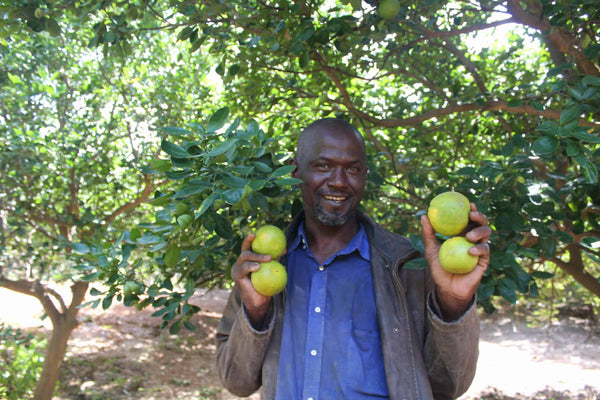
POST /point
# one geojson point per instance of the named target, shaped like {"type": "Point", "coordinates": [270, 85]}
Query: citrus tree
{"type": "Point", "coordinates": [75, 135]}
{"type": "Point", "coordinates": [496, 99]}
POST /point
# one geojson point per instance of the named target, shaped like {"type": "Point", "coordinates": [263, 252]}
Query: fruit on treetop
{"type": "Point", "coordinates": [454, 255]}
{"type": "Point", "coordinates": [388, 9]}
{"type": "Point", "coordinates": [270, 279]}
{"type": "Point", "coordinates": [449, 213]}
{"type": "Point", "coordinates": [269, 240]}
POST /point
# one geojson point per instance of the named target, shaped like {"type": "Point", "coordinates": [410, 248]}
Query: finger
{"type": "Point", "coordinates": [428, 232]}
{"type": "Point", "coordinates": [241, 271]}
{"type": "Point", "coordinates": [478, 217]}
{"type": "Point", "coordinates": [480, 250]}
{"type": "Point", "coordinates": [247, 243]}
{"type": "Point", "coordinates": [480, 234]}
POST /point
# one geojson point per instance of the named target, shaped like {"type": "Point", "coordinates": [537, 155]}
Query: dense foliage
{"type": "Point", "coordinates": [141, 140]}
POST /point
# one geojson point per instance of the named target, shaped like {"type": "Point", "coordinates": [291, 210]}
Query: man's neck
{"type": "Point", "coordinates": [325, 241]}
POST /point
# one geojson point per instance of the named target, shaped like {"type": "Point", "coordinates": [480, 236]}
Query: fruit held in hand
{"type": "Point", "coordinates": [449, 213]}
{"type": "Point", "coordinates": [454, 256]}
{"type": "Point", "coordinates": [269, 240]}
{"type": "Point", "coordinates": [270, 279]}
{"type": "Point", "coordinates": [388, 9]}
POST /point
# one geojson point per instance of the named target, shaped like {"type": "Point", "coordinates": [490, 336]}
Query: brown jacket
{"type": "Point", "coordinates": [425, 357]}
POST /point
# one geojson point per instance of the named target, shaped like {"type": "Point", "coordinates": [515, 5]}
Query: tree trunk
{"type": "Point", "coordinates": [64, 320]}
{"type": "Point", "coordinates": [56, 349]}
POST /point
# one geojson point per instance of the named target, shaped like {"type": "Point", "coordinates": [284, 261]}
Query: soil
{"type": "Point", "coordinates": [122, 353]}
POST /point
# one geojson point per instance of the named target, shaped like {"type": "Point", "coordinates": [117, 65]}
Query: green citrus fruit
{"type": "Point", "coordinates": [184, 220]}
{"type": "Point", "coordinates": [269, 240]}
{"type": "Point", "coordinates": [388, 9]}
{"type": "Point", "coordinates": [270, 279]}
{"type": "Point", "coordinates": [454, 255]}
{"type": "Point", "coordinates": [449, 213]}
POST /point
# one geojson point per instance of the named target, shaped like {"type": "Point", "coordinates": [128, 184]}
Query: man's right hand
{"type": "Point", "coordinates": [257, 305]}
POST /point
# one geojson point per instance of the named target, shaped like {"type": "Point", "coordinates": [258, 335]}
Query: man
{"type": "Point", "coordinates": [351, 323]}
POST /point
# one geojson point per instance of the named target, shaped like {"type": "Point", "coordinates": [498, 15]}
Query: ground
{"type": "Point", "coordinates": [122, 354]}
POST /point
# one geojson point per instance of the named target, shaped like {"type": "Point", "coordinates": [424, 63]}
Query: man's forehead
{"type": "Point", "coordinates": [330, 140]}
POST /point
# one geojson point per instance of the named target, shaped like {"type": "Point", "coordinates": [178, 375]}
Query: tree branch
{"type": "Point", "coordinates": [145, 193]}
{"type": "Point", "coordinates": [563, 41]}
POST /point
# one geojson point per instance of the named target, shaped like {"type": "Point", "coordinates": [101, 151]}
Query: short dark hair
{"type": "Point", "coordinates": [325, 123]}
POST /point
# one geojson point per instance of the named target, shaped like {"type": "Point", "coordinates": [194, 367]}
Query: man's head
{"type": "Point", "coordinates": [331, 161]}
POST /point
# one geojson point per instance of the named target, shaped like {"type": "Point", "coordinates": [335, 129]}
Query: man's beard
{"type": "Point", "coordinates": [332, 218]}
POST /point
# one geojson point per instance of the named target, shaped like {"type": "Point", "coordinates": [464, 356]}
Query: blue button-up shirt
{"type": "Point", "coordinates": [331, 347]}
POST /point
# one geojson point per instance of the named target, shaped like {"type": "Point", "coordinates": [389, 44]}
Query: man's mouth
{"type": "Point", "coordinates": [335, 198]}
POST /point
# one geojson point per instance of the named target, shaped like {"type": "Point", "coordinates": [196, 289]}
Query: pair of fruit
{"type": "Point", "coordinates": [449, 215]}
{"type": "Point", "coordinates": [271, 278]}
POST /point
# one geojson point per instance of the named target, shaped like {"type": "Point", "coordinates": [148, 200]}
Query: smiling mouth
{"type": "Point", "coordinates": [337, 199]}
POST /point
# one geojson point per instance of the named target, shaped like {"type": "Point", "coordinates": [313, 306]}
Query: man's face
{"type": "Point", "coordinates": [333, 169]}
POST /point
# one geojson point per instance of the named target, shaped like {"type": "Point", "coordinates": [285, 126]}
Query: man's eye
{"type": "Point", "coordinates": [323, 165]}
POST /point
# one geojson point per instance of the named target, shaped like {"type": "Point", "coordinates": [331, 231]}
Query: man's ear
{"type": "Point", "coordinates": [294, 162]}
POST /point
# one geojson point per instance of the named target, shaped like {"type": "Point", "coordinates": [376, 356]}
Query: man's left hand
{"type": "Point", "coordinates": [455, 291]}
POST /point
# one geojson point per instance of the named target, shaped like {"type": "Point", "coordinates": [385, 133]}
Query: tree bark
{"type": "Point", "coordinates": [576, 268]}
{"type": "Point", "coordinates": [64, 320]}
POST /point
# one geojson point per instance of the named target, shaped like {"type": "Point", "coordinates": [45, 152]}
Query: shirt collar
{"type": "Point", "coordinates": [359, 242]}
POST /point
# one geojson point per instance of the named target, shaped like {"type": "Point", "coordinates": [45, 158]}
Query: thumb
{"type": "Point", "coordinates": [428, 234]}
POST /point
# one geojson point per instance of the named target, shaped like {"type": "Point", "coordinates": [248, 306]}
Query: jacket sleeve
{"type": "Point", "coordinates": [451, 351]}
{"type": "Point", "coordinates": [241, 349]}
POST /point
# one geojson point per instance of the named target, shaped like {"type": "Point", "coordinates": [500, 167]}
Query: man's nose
{"type": "Point", "coordinates": [338, 177]}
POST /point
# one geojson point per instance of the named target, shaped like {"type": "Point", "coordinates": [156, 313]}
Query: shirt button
{"type": "Point", "coordinates": [310, 398]}
{"type": "Point", "coordinates": [313, 352]}
{"type": "Point", "coordinates": [317, 309]}
{"type": "Point", "coordinates": [321, 268]}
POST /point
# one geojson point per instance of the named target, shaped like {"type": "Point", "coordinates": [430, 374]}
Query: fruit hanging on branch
{"type": "Point", "coordinates": [388, 9]}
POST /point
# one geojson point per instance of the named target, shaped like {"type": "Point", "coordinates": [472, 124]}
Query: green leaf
{"type": "Point", "coordinates": [171, 257]}
{"type": "Point", "coordinates": [174, 150]}
{"type": "Point", "coordinates": [547, 126]}
{"type": "Point", "coordinates": [175, 328]}
{"type": "Point", "coordinates": [106, 302]}
{"type": "Point", "coordinates": [90, 277]}
{"type": "Point", "coordinates": [192, 190]}
{"type": "Point", "coordinates": [80, 248]}
{"type": "Point", "coordinates": [234, 181]}
{"type": "Point", "coordinates": [149, 239]}
{"type": "Point", "coordinates": [206, 204]}
{"type": "Point", "coordinates": [507, 291]}
{"type": "Point", "coordinates": [542, 275]}
{"type": "Point", "coordinates": [189, 326]}
{"type": "Point", "coordinates": [223, 226]}
{"type": "Point", "coordinates": [485, 290]}
{"type": "Point", "coordinates": [569, 114]}
{"type": "Point", "coordinates": [175, 131]}
{"type": "Point", "coordinates": [586, 137]}
{"type": "Point", "coordinates": [545, 145]}
{"type": "Point", "coordinates": [288, 181]}
{"type": "Point", "coordinates": [222, 148]}
{"type": "Point", "coordinates": [282, 171]}
{"type": "Point", "coordinates": [218, 119]}
{"type": "Point", "coordinates": [261, 167]}
{"type": "Point", "coordinates": [591, 172]}
{"type": "Point", "coordinates": [573, 149]}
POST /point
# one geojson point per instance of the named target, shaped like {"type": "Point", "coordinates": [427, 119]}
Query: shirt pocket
{"type": "Point", "coordinates": [366, 373]}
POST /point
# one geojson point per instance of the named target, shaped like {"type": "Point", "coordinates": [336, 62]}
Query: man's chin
{"type": "Point", "coordinates": [332, 219]}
